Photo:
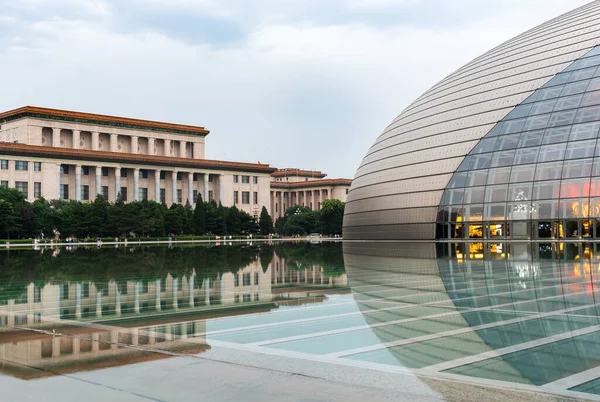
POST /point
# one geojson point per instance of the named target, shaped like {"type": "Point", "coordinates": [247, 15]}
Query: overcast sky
{"type": "Point", "coordinates": [293, 83]}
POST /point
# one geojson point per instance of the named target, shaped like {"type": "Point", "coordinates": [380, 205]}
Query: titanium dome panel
{"type": "Point", "coordinates": [405, 172]}
{"type": "Point", "coordinates": [536, 174]}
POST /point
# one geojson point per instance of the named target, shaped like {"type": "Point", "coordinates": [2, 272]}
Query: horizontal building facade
{"type": "Point", "coordinates": [66, 155]}
{"type": "Point", "coordinates": [291, 187]}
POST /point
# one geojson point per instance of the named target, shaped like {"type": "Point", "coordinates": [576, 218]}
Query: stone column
{"type": "Point", "coordinates": [330, 193]}
{"type": "Point", "coordinates": [157, 185]}
{"type": "Point", "coordinates": [157, 293]}
{"type": "Point", "coordinates": [78, 182]}
{"type": "Point", "coordinates": [182, 149]}
{"type": "Point", "coordinates": [56, 137]}
{"type": "Point", "coordinates": [191, 287]}
{"type": "Point", "coordinates": [99, 180]}
{"type": "Point", "coordinates": [222, 189]}
{"type": "Point", "coordinates": [134, 144]}
{"type": "Point", "coordinates": [191, 188]}
{"type": "Point", "coordinates": [167, 147]}
{"type": "Point", "coordinates": [76, 139]}
{"type": "Point", "coordinates": [174, 184]}
{"type": "Point", "coordinates": [136, 184]}
{"type": "Point", "coordinates": [58, 182]}
{"type": "Point", "coordinates": [206, 186]}
{"type": "Point", "coordinates": [114, 143]}
{"type": "Point", "coordinates": [78, 301]}
{"type": "Point", "coordinates": [314, 200]}
{"type": "Point", "coordinates": [95, 142]}
{"type": "Point", "coordinates": [117, 181]}
{"type": "Point", "coordinates": [151, 146]}
{"type": "Point", "coordinates": [197, 152]}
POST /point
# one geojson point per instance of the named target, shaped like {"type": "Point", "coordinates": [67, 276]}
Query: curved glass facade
{"type": "Point", "coordinates": [536, 174]}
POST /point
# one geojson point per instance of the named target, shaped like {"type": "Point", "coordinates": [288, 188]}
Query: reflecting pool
{"type": "Point", "coordinates": [517, 315]}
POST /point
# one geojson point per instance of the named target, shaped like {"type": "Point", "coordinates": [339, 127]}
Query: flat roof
{"type": "Point", "coordinates": [289, 172]}
{"type": "Point", "coordinates": [100, 119]}
{"type": "Point", "coordinates": [8, 148]}
{"type": "Point", "coordinates": [311, 183]}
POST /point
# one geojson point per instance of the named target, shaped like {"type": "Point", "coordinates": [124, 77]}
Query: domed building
{"type": "Point", "coordinates": [506, 147]}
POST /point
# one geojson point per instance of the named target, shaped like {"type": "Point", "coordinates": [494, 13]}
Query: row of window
{"type": "Point", "coordinates": [245, 279]}
{"type": "Point", "coordinates": [23, 187]}
{"type": "Point", "coordinates": [20, 165]}
{"type": "Point", "coordinates": [245, 197]}
{"type": "Point", "coordinates": [142, 193]}
{"type": "Point", "coordinates": [245, 179]}
{"type": "Point", "coordinates": [143, 173]}
{"type": "Point", "coordinates": [246, 298]}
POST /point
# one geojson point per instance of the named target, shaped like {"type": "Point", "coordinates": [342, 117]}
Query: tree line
{"type": "Point", "coordinates": [41, 218]}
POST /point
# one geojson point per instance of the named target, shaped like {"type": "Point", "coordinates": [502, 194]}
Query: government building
{"type": "Point", "coordinates": [59, 154]}
{"type": "Point", "coordinates": [505, 147]}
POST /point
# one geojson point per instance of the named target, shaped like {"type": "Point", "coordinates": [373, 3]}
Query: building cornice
{"type": "Point", "coordinates": [156, 160]}
{"type": "Point", "coordinates": [299, 172]}
{"type": "Point", "coordinates": [311, 183]}
{"type": "Point", "coordinates": [99, 119]}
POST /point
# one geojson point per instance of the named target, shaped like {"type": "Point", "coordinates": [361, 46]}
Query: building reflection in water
{"type": "Point", "coordinates": [50, 326]}
{"type": "Point", "coordinates": [518, 312]}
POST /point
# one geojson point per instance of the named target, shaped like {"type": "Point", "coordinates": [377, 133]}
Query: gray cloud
{"type": "Point", "coordinates": [304, 83]}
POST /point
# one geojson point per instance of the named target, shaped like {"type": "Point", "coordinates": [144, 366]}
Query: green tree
{"type": "Point", "coordinates": [234, 223]}
{"type": "Point", "coordinates": [8, 218]}
{"type": "Point", "coordinates": [332, 216]}
{"type": "Point", "coordinates": [265, 222]}
{"type": "Point", "coordinates": [189, 218]}
{"type": "Point", "coordinates": [175, 220]}
{"type": "Point", "coordinates": [98, 219]}
{"type": "Point", "coordinates": [221, 220]}
{"type": "Point", "coordinates": [200, 217]}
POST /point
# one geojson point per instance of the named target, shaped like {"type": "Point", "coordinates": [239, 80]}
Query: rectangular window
{"type": "Point", "coordinates": [179, 175]}
{"type": "Point", "coordinates": [255, 179]}
{"type": "Point", "coordinates": [255, 198]}
{"type": "Point", "coordinates": [4, 164]}
{"type": "Point", "coordinates": [246, 298]}
{"type": "Point", "coordinates": [195, 176]}
{"type": "Point", "coordinates": [4, 183]}
{"type": "Point", "coordinates": [236, 178]}
{"type": "Point", "coordinates": [37, 294]}
{"type": "Point", "coordinates": [85, 192]}
{"type": "Point", "coordinates": [64, 169]}
{"type": "Point", "coordinates": [195, 196]}
{"type": "Point", "coordinates": [236, 197]}
{"type": "Point", "coordinates": [163, 175]}
{"type": "Point", "coordinates": [256, 278]}
{"type": "Point", "coordinates": [211, 178]}
{"type": "Point", "coordinates": [21, 165]}
{"type": "Point", "coordinates": [105, 192]}
{"type": "Point", "coordinates": [163, 195]}
{"type": "Point", "coordinates": [105, 171]}
{"type": "Point", "coordinates": [236, 279]}
{"type": "Point", "coordinates": [22, 187]}
{"type": "Point", "coordinates": [210, 195]}
{"type": "Point", "coordinates": [245, 197]}
{"type": "Point", "coordinates": [256, 297]}
{"type": "Point", "coordinates": [245, 179]}
{"type": "Point", "coordinates": [37, 189]}
{"type": "Point", "coordinates": [123, 172]}
{"type": "Point", "coordinates": [64, 191]}
{"type": "Point", "coordinates": [179, 195]}
{"type": "Point", "coordinates": [143, 193]}
{"type": "Point", "coordinates": [85, 170]}
{"type": "Point", "coordinates": [143, 174]}
{"type": "Point", "coordinates": [124, 193]}
{"type": "Point", "coordinates": [85, 290]}
{"type": "Point", "coordinates": [37, 166]}
{"type": "Point", "coordinates": [246, 279]}
{"type": "Point", "coordinates": [236, 298]}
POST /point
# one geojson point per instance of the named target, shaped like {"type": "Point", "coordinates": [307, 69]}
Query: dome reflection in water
{"type": "Point", "coordinates": [518, 312]}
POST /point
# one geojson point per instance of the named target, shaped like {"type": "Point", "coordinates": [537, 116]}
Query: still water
{"type": "Point", "coordinates": [520, 313]}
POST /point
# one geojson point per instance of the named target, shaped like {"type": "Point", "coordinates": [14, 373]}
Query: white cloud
{"type": "Point", "coordinates": [302, 94]}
